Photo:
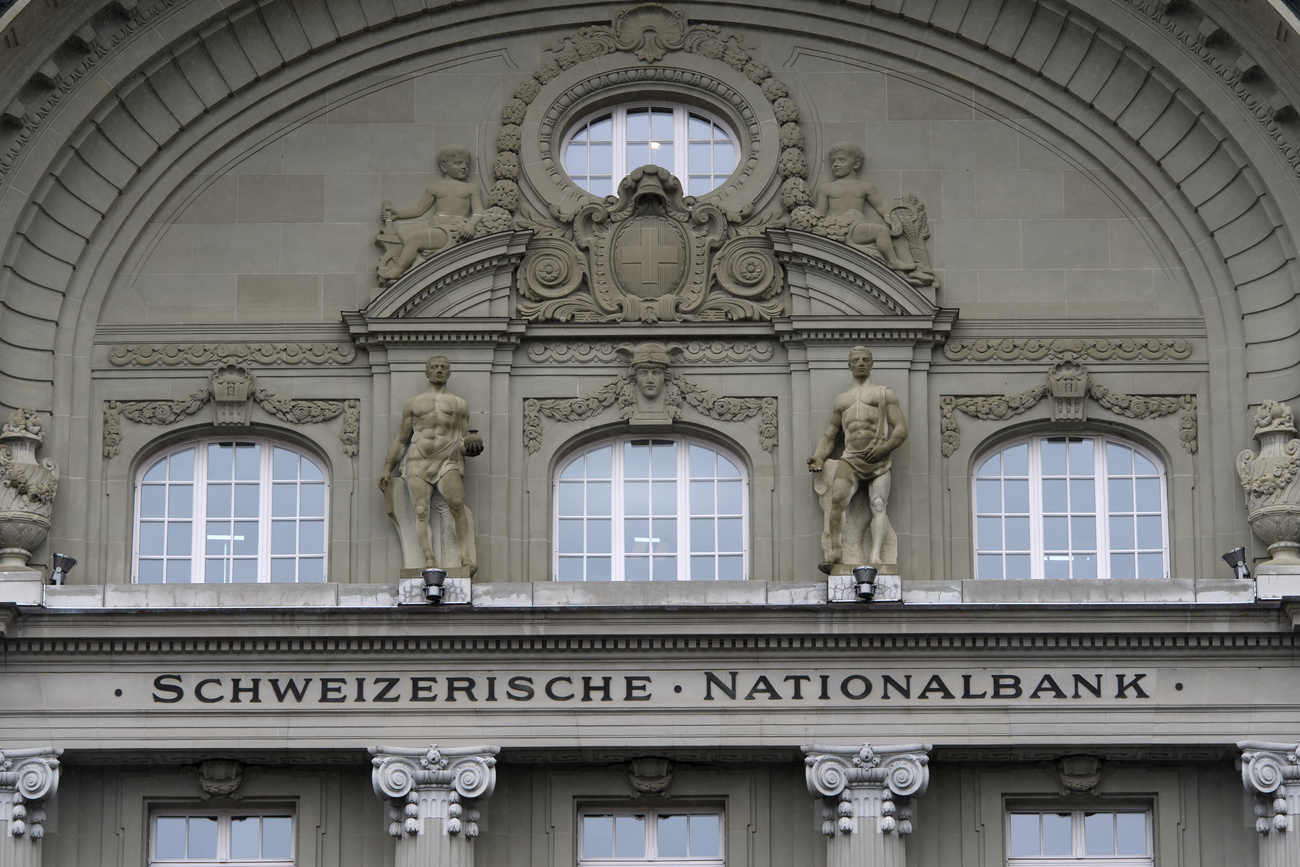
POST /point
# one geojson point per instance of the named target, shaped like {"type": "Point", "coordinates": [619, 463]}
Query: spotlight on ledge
{"type": "Point", "coordinates": [1236, 560]}
{"type": "Point", "coordinates": [62, 566]}
{"type": "Point", "coordinates": [865, 578]}
{"type": "Point", "coordinates": [433, 578]}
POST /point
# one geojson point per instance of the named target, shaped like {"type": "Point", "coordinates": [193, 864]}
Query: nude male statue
{"type": "Point", "coordinates": [845, 202]}
{"type": "Point", "coordinates": [873, 425]}
{"type": "Point", "coordinates": [433, 442]}
{"type": "Point", "coordinates": [457, 204]}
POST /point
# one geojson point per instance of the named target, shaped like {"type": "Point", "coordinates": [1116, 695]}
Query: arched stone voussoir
{"type": "Point", "coordinates": [208, 56]}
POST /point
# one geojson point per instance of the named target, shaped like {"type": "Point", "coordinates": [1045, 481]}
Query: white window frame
{"type": "Point", "coordinates": [651, 815]}
{"type": "Point", "coordinates": [198, 518]}
{"type": "Point", "coordinates": [683, 515]}
{"type": "Point", "coordinates": [1101, 500]}
{"type": "Point", "coordinates": [619, 168]}
{"type": "Point", "coordinates": [1077, 842]}
{"type": "Point", "coordinates": [224, 819]}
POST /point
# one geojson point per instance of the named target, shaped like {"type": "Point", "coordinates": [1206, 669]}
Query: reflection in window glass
{"type": "Point", "coordinates": [222, 837]}
{"type": "Point", "coordinates": [231, 511]}
{"type": "Point", "coordinates": [1096, 837]}
{"type": "Point", "coordinates": [694, 146]}
{"type": "Point", "coordinates": [642, 509]}
{"type": "Point", "coordinates": [1069, 507]}
{"type": "Point", "coordinates": [650, 836]}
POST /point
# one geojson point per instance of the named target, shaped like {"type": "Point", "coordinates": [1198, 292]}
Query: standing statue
{"type": "Point", "coordinates": [430, 447]}
{"type": "Point", "coordinates": [873, 426]}
{"type": "Point", "coordinates": [457, 207]}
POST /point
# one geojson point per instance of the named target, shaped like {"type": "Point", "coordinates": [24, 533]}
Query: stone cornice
{"type": "Point", "coordinates": [391, 637]}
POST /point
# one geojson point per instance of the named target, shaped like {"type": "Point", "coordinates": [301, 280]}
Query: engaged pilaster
{"type": "Point", "coordinates": [431, 796]}
{"type": "Point", "coordinates": [1271, 772]}
{"type": "Point", "coordinates": [866, 795]}
{"type": "Point", "coordinates": [27, 778]}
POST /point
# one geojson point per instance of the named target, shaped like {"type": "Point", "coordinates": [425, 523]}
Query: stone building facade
{"type": "Point", "coordinates": [440, 382]}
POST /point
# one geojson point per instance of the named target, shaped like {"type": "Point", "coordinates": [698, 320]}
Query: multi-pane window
{"type": "Point", "coordinates": [221, 837]}
{"type": "Point", "coordinates": [231, 511]}
{"type": "Point", "coordinates": [666, 837]}
{"type": "Point", "coordinates": [1070, 507]}
{"type": "Point", "coordinates": [1097, 838]}
{"type": "Point", "coordinates": [694, 146]}
{"type": "Point", "coordinates": [642, 509]}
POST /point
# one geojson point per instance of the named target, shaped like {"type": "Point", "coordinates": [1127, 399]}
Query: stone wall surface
{"type": "Point", "coordinates": [181, 173]}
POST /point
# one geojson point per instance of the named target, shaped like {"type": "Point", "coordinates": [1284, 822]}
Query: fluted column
{"type": "Point", "coordinates": [431, 795]}
{"type": "Point", "coordinates": [27, 778]}
{"type": "Point", "coordinates": [866, 796]}
{"type": "Point", "coordinates": [1271, 772]}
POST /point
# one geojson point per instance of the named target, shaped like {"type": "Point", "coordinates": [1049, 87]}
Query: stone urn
{"type": "Point", "coordinates": [27, 488]}
{"type": "Point", "coordinates": [1271, 483]}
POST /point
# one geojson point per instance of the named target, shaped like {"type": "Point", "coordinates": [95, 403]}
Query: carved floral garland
{"type": "Point", "coordinates": [194, 354]}
{"type": "Point", "coordinates": [164, 412]}
{"type": "Point", "coordinates": [1070, 348]}
{"type": "Point", "coordinates": [696, 351]}
{"type": "Point", "coordinates": [649, 32]}
{"type": "Point", "coordinates": [1001, 407]}
{"type": "Point", "coordinates": [677, 389]}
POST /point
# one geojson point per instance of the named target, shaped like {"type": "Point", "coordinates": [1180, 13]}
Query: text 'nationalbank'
{"type": "Point", "coordinates": [675, 688]}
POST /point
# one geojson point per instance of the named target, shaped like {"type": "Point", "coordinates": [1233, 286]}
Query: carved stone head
{"type": "Point", "coordinates": [861, 362]}
{"type": "Point", "coordinates": [846, 158]}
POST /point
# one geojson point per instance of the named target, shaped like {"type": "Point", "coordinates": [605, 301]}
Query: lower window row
{"type": "Point", "coordinates": [660, 836]}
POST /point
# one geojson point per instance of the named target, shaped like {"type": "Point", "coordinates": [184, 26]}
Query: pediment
{"type": "Point", "coordinates": [828, 278]}
{"type": "Point", "coordinates": [470, 280]}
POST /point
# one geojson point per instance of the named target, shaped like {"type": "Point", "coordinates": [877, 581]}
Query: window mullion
{"type": "Point", "coordinates": [617, 543]}
{"type": "Point", "coordinates": [199, 509]}
{"type": "Point", "coordinates": [681, 145]}
{"type": "Point", "coordinates": [264, 517]}
{"type": "Point", "coordinates": [1035, 465]}
{"type": "Point", "coordinates": [618, 162]}
{"type": "Point", "coordinates": [1102, 496]}
{"type": "Point", "coordinates": [683, 510]}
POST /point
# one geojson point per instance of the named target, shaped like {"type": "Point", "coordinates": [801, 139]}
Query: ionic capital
{"type": "Point", "coordinates": [27, 777]}
{"type": "Point", "coordinates": [1271, 772]}
{"type": "Point", "coordinates": [434, 783]}
{"type": "Point", "coordinates": [867, 782]}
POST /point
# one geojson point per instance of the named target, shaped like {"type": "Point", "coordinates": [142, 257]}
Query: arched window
{"type": "Point", "coordinates": [1070, 507]}
{"type": "Point", "coordinates": [651, 509]}
{"type": "Point", "coordinates": [231, 511]}
{"type": "Point", "coordinates": [695, 146]}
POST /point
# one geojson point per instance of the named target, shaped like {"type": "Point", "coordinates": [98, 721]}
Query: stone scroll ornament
{"type": "Point", "coordinates": [1070, 386]}
{"type": "Point", "coordinates": [649, 391]}
{"type": "Point", "coordinates": [1271, 479]}
{"type": "Point", "coordinates": [231, 390]}
{"type": "Point", "coordinates": [861, 784]}
{"type": "Point", "coordinates": [1271, 774]}
{"type": "Point", "coordinates": [652, 255]}
{"type": "Point", "coordinates": [27, 489]}
{"type": "Point", "coordinates": [435, 786]}
{"type": "Point", "coordinates": [27, 778]}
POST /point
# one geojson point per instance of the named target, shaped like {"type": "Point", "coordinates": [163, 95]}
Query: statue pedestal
{"type": "Point", "coordinates": [25, 587]}
{"type": "Point", "coordinates": [842, 588]}
{"type": "Point", "coordinates": [455, 589]}
{"type": "Point", "coordinates": [1277, 581]}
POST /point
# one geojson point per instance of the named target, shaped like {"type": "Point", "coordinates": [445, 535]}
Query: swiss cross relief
{"type": "Point", "coordinates": [650, 256]}
{"type": "Point", "coordinates": [643, 243]}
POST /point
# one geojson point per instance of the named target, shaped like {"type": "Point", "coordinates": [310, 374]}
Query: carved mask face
{"type": "Point", "coordinates": [650, 381]}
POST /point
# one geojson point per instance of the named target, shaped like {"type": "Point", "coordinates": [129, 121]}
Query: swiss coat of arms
{"type": "Point", "coordinates": [651, 255]}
